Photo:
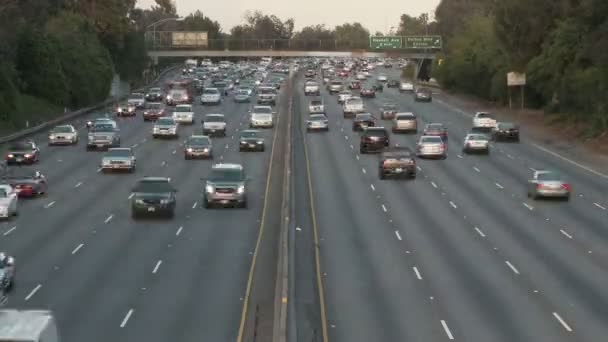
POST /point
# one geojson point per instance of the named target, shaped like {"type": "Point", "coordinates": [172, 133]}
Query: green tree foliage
{"type": "Point", "coordinates": [314, 37]}
{"type": "Point", "coordinates": [85, 62]}
{"type": "Point", "coordinates": [197, 21]}
{"type": "Point", "coordinates": [409, 25]}
{"type": "Point", "coordinates": [39, 66]}
{"type": "Point", "coordinates": [8, 92]}
{"type": "Point", "coordinates": [352, 36]}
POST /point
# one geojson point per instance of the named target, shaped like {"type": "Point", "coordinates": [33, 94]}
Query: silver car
{"type": "Point", "coordinates": [431, 146]}
{"type": "Point", "coordinates": [405, 122]}
{"type": "Point", "coordinates": [546, 183]}
{"type": "Point", "coordinates": [476, 143]}
{"type": "Point", "coordinates": [335, 87]}
{"type": "Point", "coordinates": [63, 135]}
{"type": "Point", "coordinates": [344, 95]}
{"type": "Point", "coordinates": [137, 99]}
{"type": "Point", "coordinates": [118, 159]}
{"type": "Point", "coordinates": [261, 116]}
{"type": "Point", "coordinates": [211, 96]}
{"type": "Point", "coordinates": [317, 122]}
{"type": "Point", "coordinates": [8, 201]}
{"type": "Point", "coordinates": [103, 135]}
{"type": "Point", "coordinates": [226, 186]}
{"type": "Point", "coordinates": [214, 125]}
{"type": "Point", "coordinates": [316, 106]}
{"type": "Point", "coordinates": [165, 127]}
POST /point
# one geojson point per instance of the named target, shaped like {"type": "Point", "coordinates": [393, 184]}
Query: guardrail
{"type": "Point", "coordinates": [68, 116]}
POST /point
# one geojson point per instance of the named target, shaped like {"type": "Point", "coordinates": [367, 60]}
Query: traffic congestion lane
{"type": "Point", "coordinates": [448, 271]}
{"type": "Point", "coordinates": [365, 272]}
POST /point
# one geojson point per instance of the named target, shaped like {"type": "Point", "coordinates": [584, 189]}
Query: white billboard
{"type": "Point", "coordinates": [189, 39]}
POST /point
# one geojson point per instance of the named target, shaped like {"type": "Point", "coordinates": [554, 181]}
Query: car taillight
{"type": "Point", "coordinates": [566, 186]}
{"type": "Point", "coordinates": [539, 186]}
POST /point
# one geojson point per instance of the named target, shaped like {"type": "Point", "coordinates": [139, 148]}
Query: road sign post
{"type": "Point", "coordinates": [385, 42]}
{"type": "Point", "coordinates": [422, 42]}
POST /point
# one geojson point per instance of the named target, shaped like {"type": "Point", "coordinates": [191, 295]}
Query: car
{"type": "Point", "coordinates": [363, 120]}
{"type": "Point", "coordinates": [505, 131]}
{"type": "Point", "coordinates": [23, 152]}
{"type": "Point", "coordinates": [137, 100]}
{"type": "Point", "coordinates": [378, 87]}
{"type": "Point", "coordinates": [481, 130]}
{"type": "Point", "coordinates": [165, 127]}
{"type": "Point", "coordinates": [392, 84]}
{"type": "Point", "coordinates": [354, 85]}
{"type": "Point", "coordinates": [431, 146]}
{"type": "Point", "coordinates": [317, 122]}
{"type": "Point", "coordinates": [476, 143]}
{"type": "Point", "coordinates": [103, 135]}
{"type": "Point", "coordinates": [344, 95]}
{"type": "Point", "coordinates": [107, 118]}
{"type": "Point", "coordinates": [226, 185]}
{"type": "Point", "coordinates": [7, 277]}
{"type": "Point", "coordinates": [312, 88]}
{"type": "Point", "coordinates": [406, 86]}
{"type": "Point", "coordinates": [251, 140]}
{"type": "Point", "coordinates": [154, 95]}
{"type": "Point", "coordinates": [548, 183]}
{"type": "Point", "coordinates": [361, 76]}
{"type": "Point", "coordinates": [267, 96]}
{"type": "Point", "coordinates": [125, 109]}
{"type": "Point", "coordinates": [316, 106]}
{"type": "Point", "coordinates": [261, 116]}
{"type": "Point", "coordinates": [118, 159]}
{"type": "Point", "coordinates": [352, 106]}
{"type": "Point", "coordinates": [153, 111]}
{"type": "Point", "coordinates": [183, 113]}
{"type": "Point", "coordinates": [335, 87]}
{"type": "Point", "coordinates": [198, 146]}
{"type": "Point", "coordinates": [242, 96]}
{"type": "Point", "coordinates": [63, 135]}
{"type": "Point", "coordinates": [382, 78]}
{"type": "Point", "coordinates": [214, 125]}
{"type": "Point", "coordinates": [26, 182]}
{"type": "Point", "coordinates": [178, 96]}
{"type": "Point", "coordinates": [484, 120]}
{"type": "Point", "coordinates": [8, 201]}
{"type": "Point", "coordinates": [211, 96]}
{"type": "Point", "coordinates": [367, 92]}
{"type": "Point", "coordinates": [437, 129]}
{"type": "Point", "coordinates": [309, 73]}
{"type": "Point", "coordinates": [423, 94]}
{"type": "Point", "coordinates": [388, 65]}
{"type": "Point", "coordinates": [388, 111]}
{"type": "Point", "coordinates": [397, 162]}
{"type": "Point", "coordinates": [405, 122]}
{"type": "Point", "coordinates": [373, 139]}
{"type": "Point", "coordinates": [153, 196]}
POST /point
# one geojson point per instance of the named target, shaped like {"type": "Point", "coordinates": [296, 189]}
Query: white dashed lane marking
{"type": "Point", "coordinates": [33, 292]}
{"type": "Point", "coordinates": [476, 169]}
{"type": "Point", "coordinates": [372, 186]}
{"type": "Point", "coordinates": [447, 330]}
{"type": "Point", "coordinates": [158, 263]}
{"type": "Point", "coordinates": [398, 235]}
{"type": "Point", "coordinates": [434, 185]}
{"type": "Point", "coordinates": [10, 230]}
{"type": "Point", "coordinates": [512, 267]}
{"type": "Point", "coordinates": [453, 205]}
{"type": "Point", "coordinates": [562, 322]}
{"type": "Point", "coordinates": [384, 208]}
{"type": "Point", "coordinates": [528, 206]}
{"type": "Point", "coordinates": [418, 275]}
{"type": "Point", "coordinates": [109, 218]}
{"type": "Point", "coordinates": [126, 319]}
{"type": "Point", "coordinates": [565, 234]}
{"type": "Point", "coordinates": [77, 248]}
{"type": "Point", "coordinates": [599, 206]}
{"type": "Point", "coordinates": [499, 186]}
{"type": "Point", "coordinates": [48, 205]}
{"type": "Point", "coordinates": [480, 232]}
{"type": "Point", "coordinates": [78, 184]}
{"type": "Point", "coordinates": [179, 231]}
{"type": "Point", "coordinates": [194, 205]}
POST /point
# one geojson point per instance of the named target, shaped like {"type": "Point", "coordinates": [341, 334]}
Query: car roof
{"type": "Point", "coordinates": [435, 125]}
{"type": "Point", "coordinates": [434, 137]}
{"type": "Point", "coordinates": [184, 105]}
{"type": "Point", "coordinates": [228, 166]}
{"type": "Point", "coordinates": [215, 114]}
{"type": "Point", "coordinates": [258, 107]}
{"type": "Point", "coordinates": [155, 179]}
{"type": "Point", "coordinates": [119, 149]}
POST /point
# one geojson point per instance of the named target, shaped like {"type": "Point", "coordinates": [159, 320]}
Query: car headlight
{"type": "Point", "coordinates": [205, 149]}
{"type": "Point", "coordinates": [168, 97]}
{"type": "Point", "coordinates": [51, 137]}
{"type": "Point", "coordinates": [139, 201]}
{"type": "Point", "coordinates": [189, 149]}
{"type": "Point", "coordinates": [90, 137]}
{"type": "Point", "coordinates": [260, 142]}
{"type": "Point", "coordinates": [209, 189]}
{"type": "Point", "coordinates": [164, 201]}
{"type": "Point", "coordinates": [241, 189]}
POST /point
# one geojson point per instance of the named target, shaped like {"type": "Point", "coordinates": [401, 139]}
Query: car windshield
{"type": "Point", "coordinates": [119, 153]}
{"type": "Point", "coordinates": [478, 137]}
{"type": "Point", "coordinates": [166, 121]}
{"type": "Point", "coordinates": [431, 140]}
{"type": "Point", "coordinates": [200, 141]}
{"type": "Point", "coordinates": [315, 103]}
{"type": "Point", "coordinates": [354, 102]}
{"type": "Point", "coordinates": [136, 97]}
{"type": "Point", "coordinates": [262, 110]}
{"type": "Point", "coordinates": [226, 175]}
{"type": "Point", "coordinates": [506, 125]}
{"type": "Point", "coordinates": [3, 193]}
{"type": "Point", "coordinates": [336, 83]}
{"type": "Point", "coordinates": [211, 92]}
{"type": "Point", "coordinates": [154, 105]}
{"type": "Point", "coordinates": [153, 186]}
{"type": "Point", "coordinates": [423, 90]}
{"type": "Point", "coordinates": [102, 128]}
{"type": "Point", "coordinates": [389, 107]}
{"type": "Point", "coordinates": [183, 109]}
{"type": "Point", "coordinates": [249, 134]}
{"type": "Point", "coordinates": [318, 117]}
{"type": "Point", "coordinates": [363, 116]}
{"type": "Point", "coordinates": [62, 129]}
{"type": "Point", "coordinates": [214, 118]}
{"type": "Point", "coordinates": [549, 177]}
{"type": "Point", "coordinates": [154, 90]}
{"type": "Point", "coordinates": [242, 92]}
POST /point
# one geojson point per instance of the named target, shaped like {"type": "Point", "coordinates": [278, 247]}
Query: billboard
{"type": "Point", "coordinates": [189, 39]}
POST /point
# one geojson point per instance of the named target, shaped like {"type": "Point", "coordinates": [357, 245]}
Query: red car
{"type": "Point", "coordinates": [367, 92]}
{"type": "Point", "coordinates": [26, 182]}
{"type": "Point", "coordinates": [354, 85]}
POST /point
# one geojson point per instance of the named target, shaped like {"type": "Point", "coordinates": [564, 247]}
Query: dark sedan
{"type": "Point", "coordinates": [423, 94]}
{"type": "Point", "coordinates": [25, 152]}
{"type": "Point", "coordinates": [251, 140]}
{"type": "Point", "coordinates": [363, 120]}
{"type": "Point", "coordinates": [505, 131]}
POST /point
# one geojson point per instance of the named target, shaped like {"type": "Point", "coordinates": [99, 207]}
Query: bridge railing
{"type": "Point", "coordinates": [164, 40]}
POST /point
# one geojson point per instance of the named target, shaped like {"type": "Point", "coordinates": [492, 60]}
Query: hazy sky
{"type": "Point", "coordinates": [376, 16]}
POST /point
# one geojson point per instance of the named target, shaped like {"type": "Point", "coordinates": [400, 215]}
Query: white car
{"type": "Point", "coordinates": [484, 120]}
{"type": "Point", "coordinates": [312, 88]}
{"type": "Point", "coordinates": [63, 135]}
{"type": "Point", "coordinates": [214, 125]}
{"type": "Point", "coordinates": [406, 86]}
{"type": "Point", "coordinates": [8, 201]}
{"type": "Point", "coordinates": [352, 106]}
{"type": "Point", "coordinates": [382, 78]}
{"type": "Point", "coordinates": [476, 142]}
{"type": "Point", "coordinates": [361, 77]}
{"type": "Point", "coordinates": [183, 114]}
{"type": "Point", "coordinates": [211, 96]}
{"type": "Point", "coordinates": [137, 99]}
{"type": "Point", "coordinates": [344, 95]}
{"type": "Point", "coordinates": [261, 116]}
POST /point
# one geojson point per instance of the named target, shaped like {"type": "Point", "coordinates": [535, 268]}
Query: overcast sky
{"type": "Point", "coordinates": [376, 16]}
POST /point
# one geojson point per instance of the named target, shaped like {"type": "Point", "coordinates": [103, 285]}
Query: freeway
{"type": "Point", "coordinates": [460, 253]}
{"type": "Point", "coordinates": [110, 278]}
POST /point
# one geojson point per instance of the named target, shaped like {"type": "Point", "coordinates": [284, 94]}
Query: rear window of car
{"type": "Point", "coordinates": [478, 137]}
{"type": "Point", "coordinates": [336, 83]}
{"type": "Point", "coordinates": [183, 109]}
{"type": "Point", "coordinates": [317, 117]}
{"type": "Point", "coordinates": [210, 91]}
{"type": "Point", "coordinates": [118, 153]}
{"type": "Point", "coordinates": [376, 132]}
{"type": "Point", "coordinates": [165, 121]}
{"type": "Point", "coordinates": [550, 176]}
{"type": "Point", "coordinates": [262, 110]}
{"type": "Point", "coordinates": [405, 117]}
{"type": "Point", "coordinates": [154, 105]}
{"type": "Point", "coordinates": [483, 115]}
{"type": "Point", "coordinates": [62, 129]}
{"type": "Point", "coordinates": [506, 125]}
{"type": "Point", "coordinates": [435, 127]}
{"type": "Point", "coordinates": [354, 101]}
{"type": "Point", "coordinates": [431, 140]}
{"type": "Point", "coordinates": [315, 103]}
{"type": "Point", "coordinates": [363, 116]}
{"type": "Point", "coordinates": [214, 118]}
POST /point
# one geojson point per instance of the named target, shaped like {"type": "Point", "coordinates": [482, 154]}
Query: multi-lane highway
{"type": "Point", "coordinates": [459, 253]}
{"type": "Point", "coordinates": [109, 278]}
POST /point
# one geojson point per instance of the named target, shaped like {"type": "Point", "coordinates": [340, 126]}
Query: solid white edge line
{"type": "Point", "coordinates": [597, 173]}
{"type": "Point", "coordinates": [447, 330]}
{"type": "Point", "coordinates": [599, 206]}
{"type": "Point", "coordinates": [10, 230]}
{"type": "Point", "coordinates": [562, 322]}
{"type": "Point", "coordinates": [158, 263]}
{"type": "Point", "coordinates": [417, 273]}
{"type": "Point", "coordinates": [126, 319]}
{"type": "Point", "coordinates": [565, 234]}
{"type": "Point", "coordinates": [179, 231]}
{"type": "Point", "coordinates": [480, 232]}
{"type": "Point", "coordinates": [77, 248]}
{"type": "Point", "coordinates": [398, 235]}
{"type": "Point", "coordinates": [512, 267]}
{"type": "Point", "coordinates": [109, 218]}
{"type": "Point", "coordinates": [33, 292]}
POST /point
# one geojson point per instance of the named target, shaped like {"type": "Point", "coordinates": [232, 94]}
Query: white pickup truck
{"type": "Point", "coordinates": [28, 326]}
{"type": "Point", "coordinates": [484, 120]}
{"type": "Point", "coordinates": [352, 106]}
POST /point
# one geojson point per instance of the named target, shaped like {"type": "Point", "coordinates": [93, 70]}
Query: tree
{"type": "Point", "coordinates": [352, 36]}
{"type": "Point", "coordinates": [166, 6]}
{"type": "Point", "coordinates": [409, 25]}
{"type": "Point", "coordinates": [451, 15]}
{"type": "Point", "coordinates": [197, 21]}
{"type": "Point", "coordinates": [314, 37]}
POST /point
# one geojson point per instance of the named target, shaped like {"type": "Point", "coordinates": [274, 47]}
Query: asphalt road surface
{"type": "Point", "coordinates": [460, 253]}
{"type": "Point", "coordinates": [110, 278]}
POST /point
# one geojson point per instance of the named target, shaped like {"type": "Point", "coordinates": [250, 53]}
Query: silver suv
{"type": "Point", "coordinates": [226, 186]}
{"type": "Point", "coordinates": [103, 135]}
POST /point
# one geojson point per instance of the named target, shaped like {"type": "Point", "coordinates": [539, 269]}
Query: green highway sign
{"type": "Point", "coordinates": [385, 42]}
{"type": "Point", "coordinates": [422, 42]}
